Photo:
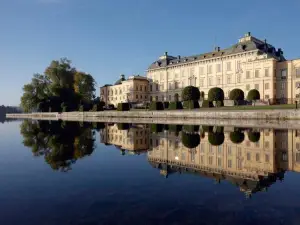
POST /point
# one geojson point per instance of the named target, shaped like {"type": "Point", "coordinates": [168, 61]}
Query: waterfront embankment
{"type": "Point", "coordinates": [274, 119]}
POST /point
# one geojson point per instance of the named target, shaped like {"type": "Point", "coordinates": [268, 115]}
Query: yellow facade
{"type": "Point", "coordinates": [132, 90]}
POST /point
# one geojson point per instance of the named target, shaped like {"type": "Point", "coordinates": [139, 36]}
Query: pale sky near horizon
{"type": "Point", "coordinates": [107, 38]}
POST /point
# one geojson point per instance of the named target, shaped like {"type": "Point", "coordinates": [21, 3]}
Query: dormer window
{"type": "Point", "coordinates": [195, 58]}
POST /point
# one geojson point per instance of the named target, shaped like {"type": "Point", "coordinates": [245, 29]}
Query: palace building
{"type": "Point", "coordinates": [251, 63]}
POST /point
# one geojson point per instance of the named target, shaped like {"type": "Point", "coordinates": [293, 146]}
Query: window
{"type": "Point", "coordinates": [218, 68]}
{"type": "Point", "coordinates": [298, 146]}
{"type": "Point", "coordinates": [229, 79]}
{"type": "Point", "coordinates": [297, 72]}
{"type": "Point", "coordinates": [145, 88]}
{"type": "Point", "coordinates": [266, 86]}
{"type": "Point", "coordinates": [210, 83]}
{"type": "Point", "coordinates": [182, 84]}
{"type": "Point", "coordinates": [266, 72]}
{"type": "Point", "coordinates": [298, 157]}
{"type": "Point", "coordinates": [157, 87]}
{"type": "Point", "coordinates": [248, 87]}
{"type": "Point", "coordinates": [239, 150]}
{"type": "Point", "coordinates": [229, 150]}
{"type": "Point", "coordinates": [202, 159]}
{"type": "Point", "coordinates": [183, 156]}
{"type": "Point", "coordinates": [248, 156]}
{"type": "Point", "coordinates": [238, 78]}
{"type": "Point", "coordinates": [267, 158]}
{"type": "Point", "coordinates": [266, 144]}
{"type": "Point", "coordinates": [192, 72]}
{"type": "Point", "coordinates": [182, 73]}
{"type": "Point", "coordinates": [170, 97]}
{"type": "Point", "coordinates": [136, 96]}
{"type": "Point", "coordinates": [257, 157]}
{"type": "Point", "coordinates": [201, 82]}
{"type": "Point", "coordinates": [219, 162]}
{"type": "Point", "coordinates": [248, 74]}
{"type": "Point", "coordinates": [209, 69]}
{"type": "Point", "coordinates": [170, 86]}
{"type": "Point", "coordinates": [176, 85]}
{"type": "Point", "coordinates": [229, 66]}
{"type": "Point", "coordinates": [150, 87]}
{"type": "Point", "coordinates": [239, 164]}
{"type": "Point", "coordinates": [141, 97]}
{"type": "Point", "coordinates": [156, 98]}
{"type": "Point", "coordinates": [218, 80]}
{"type": "Point", "coordinates": [201, 70]}
{"type": "Point", "coordinates": [141, 88]}
{"type": "Point", "coordinates": [220, 149]}
{"type": "Point", "coordinates": [283, 74]}
{"type": "Point", "coordinates": [210, 160]}
{"type": "Point", "coordinates": [256, 87]}
{"type": "Point", "coordinates": [256, 73]}
{"type": "Point", "coordinates": [229, 163]}
{"type": "Point", "coordinates": [161, 86]}
{"type": "Point", "coordinates": [238, 65]}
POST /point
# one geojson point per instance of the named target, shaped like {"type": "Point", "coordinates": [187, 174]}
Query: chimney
{"type": "Point", "coordinates": [178, 57]}
{"type": "Point", "coordinates": [122, 76]}
{"type": "Point", "coordinates": [217, 49]}
{"type": "Point", "coordinates": [166, 54]}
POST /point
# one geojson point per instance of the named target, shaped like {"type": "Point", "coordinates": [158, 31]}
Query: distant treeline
{"type": "Point", "coordinates": [7, 109]}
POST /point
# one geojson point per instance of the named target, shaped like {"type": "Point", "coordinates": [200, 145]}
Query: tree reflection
{"type": "Point", "coordinates": [61, 144]}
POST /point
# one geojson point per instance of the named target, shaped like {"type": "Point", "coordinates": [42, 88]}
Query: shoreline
{"type": "Point", "coordinates": [273, 119]}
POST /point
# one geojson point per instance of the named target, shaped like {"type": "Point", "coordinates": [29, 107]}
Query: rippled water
{"type": "Point", "coordinates": [75, 173]}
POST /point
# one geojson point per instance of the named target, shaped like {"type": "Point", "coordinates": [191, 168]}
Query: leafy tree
{"type": "Point", "coordinates": [190, 93]}
{"type": "Point", "coordinates": [61, 144]}
{"type": "Point", "coordinates": [253, 95]}
{"type": "Point", "coordinates": [60, 83]}
{"type": "Point", "coordinates": [215, 94]}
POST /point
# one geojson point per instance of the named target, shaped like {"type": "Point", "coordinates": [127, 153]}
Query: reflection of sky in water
{"type": "Point", "coordinates": [108, 188]}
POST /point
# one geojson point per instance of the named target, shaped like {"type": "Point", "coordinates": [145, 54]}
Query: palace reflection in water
{"type": "Point", "coordinates": [252, 159]}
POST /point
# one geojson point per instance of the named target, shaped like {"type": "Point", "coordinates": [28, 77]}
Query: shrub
{"type": "Point", "coordinates": [253, 136]}
{"type": "Point", "coordinates": [191, 104]}
{"type": "Point", "coordinates": [216, 138]}
{"type": "Point", "coordinates": [237, 137]}
{"type": "Point", "coordinates": [156, 128]}
{"type": "Point", "coordinates": [253, 95]}
{"type": "Point", "coordinates": [123, 106]}
{"type": "Point", "coordinates": [111, 106]}
{"type": "Point", "coordinates": [190, 140]}
{"type": "Point", "coordinates": [123, 126]}
{"type": "Point", "coordinates": [166, 105]}
{"type": "Point", "coordinates": [207, 104]}
{"type": "Point", "coordinates": [176, 97]}
{"type": "Point", "coordinates": [216, 94]}
{"type": "Point", "coordinates": [190, 128]}
{"type": "Point", "coordinates": [175, 105]}
{"type": "Point", "coordinates": [166, 126]}
{"type": "Point", "coordinates": [175, 128]}
{"type": "Point", "coordinates": [190, 93]}
{"type": "Point", "coordinates": [97, 108]}
{"type": "Point", "coordinates": [236, 95]}
{"type": "Point", "coordinates": [156, 106]}
{"type": "Point", "coordinates": [219, 103]}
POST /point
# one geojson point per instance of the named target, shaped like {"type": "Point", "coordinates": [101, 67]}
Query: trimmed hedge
{"type": "Point", "coordinates": [253, 136]}
{"type": "Point", "coordinates": [237, 137]}
{"type": "Point", "coordinates": [216, 138]}
{"type": "Point", "coordinates": [253, 95]}
{"type": "Point", "coordinates": [123, 106]}
{"type": "Point", "coordinates": [166, 105]}
{"type": "Point", "coordinates": [157, 128]}
{"type": "Point", "coordinates": [175, 105]}
{"type": "Point", "coordinates": [207, 128]}
{"type": "Point", "coordinates": [97, 108]}
{"type": "Point", "coordinates": [215, 94]}
{"type": "Point", "coordinates": [156, 106]}
{"type": "Point", "coordinates": [190, 93]}
{"type": "Point", "coordinates": [190, 128]}
{"type": "Point", "coordinates": [123, 126]}
{"type": "Point", "coordinates": [191, 104]}
{"type": "Point", "coordinates": [236, 95]}
{"type": "Point", "coordinates": [207, 104]}
{"type": "Point", "coordinates": [190, 140]}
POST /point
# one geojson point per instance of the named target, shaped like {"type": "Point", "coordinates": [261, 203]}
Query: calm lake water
{"type": "Point", "coordinates": [74, 173]}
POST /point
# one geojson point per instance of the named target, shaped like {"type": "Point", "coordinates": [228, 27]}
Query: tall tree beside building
{"type": "Point", "coordinates": [61, 84]}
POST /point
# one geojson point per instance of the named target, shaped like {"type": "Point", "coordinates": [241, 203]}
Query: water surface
{"type": "Point", "coordinates": [80, 173]}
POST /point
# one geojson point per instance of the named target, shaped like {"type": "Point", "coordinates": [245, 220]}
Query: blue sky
{"type": "Point", "coordinates": [110, 37]}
